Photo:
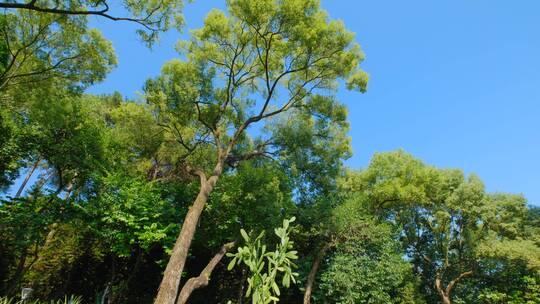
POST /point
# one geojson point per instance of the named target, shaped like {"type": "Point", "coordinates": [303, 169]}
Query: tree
{"type": "Point", "coordinates": [27, 227]}
{"type": "Point", "coordinates": [361, 260]}
{"type": "Point", "coordinates": [43, 58]}
{"type": "Point", "coordinates": [154, 16]}
{"type": "Point", "coordinates": [95, 208]}
{"type": "Point", "coordinates": [266, 58]}
{"type": "Point", "coordinates": [449, 223]}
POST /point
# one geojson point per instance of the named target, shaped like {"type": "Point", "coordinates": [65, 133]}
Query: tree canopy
{"type": "Point", "coordinates": [225, 181]}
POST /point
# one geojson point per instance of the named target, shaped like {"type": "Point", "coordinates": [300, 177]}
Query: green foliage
{"type": "Point", "coordinates": [254, 197]}
{"type": "Point", "coordinates": [70, 137]}
{"type": "Point", "coordinates": [528, 293]}
{"type": "Point", "coordinates": [259, 61]}
{"type": "Point", "coordinates": [131, 214]}
{"type": "Point", "coordinates": [312, 147]}
{"type": "Point", "coordinates": [66, 246]}
{"type": "Point", "coordinates": [48, 46]}
{"type": "Point", "coordinates": [265, 266]}
{"type": "Point", "coordinates": [366, 265]}
{"type": "Point", "coordinates": [448, 222]}
{"type": "Point", "coordinates": [15, 146]}
{"type": "Point", "coordinates": [25, 223]}
{"type": "Point", "coordinates": [139, 142]}
{"type": "Point", "coordinates": [255, 91]}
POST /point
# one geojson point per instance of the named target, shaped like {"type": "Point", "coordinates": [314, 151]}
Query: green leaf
{"type": "Point", "coordinates": [244, 235]}
{"type": "Point", "coordinates": [231, 264]}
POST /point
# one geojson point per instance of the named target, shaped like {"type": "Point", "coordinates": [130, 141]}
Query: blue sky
{"type": "Point", "coordinates": [456, 83]}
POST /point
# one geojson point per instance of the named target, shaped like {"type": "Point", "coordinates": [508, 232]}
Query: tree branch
{"type": "Point", "coordinates": [31, 6]}
{"type": "Point", "coordinates": [204, 277]}
{"type": "Point", "coordinates": [456, 280]}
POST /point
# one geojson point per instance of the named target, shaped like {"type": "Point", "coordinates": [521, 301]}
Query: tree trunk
{"type": "Point", "coordinates": [204, 278]}
{"type": "Point", "coordinates": [313, 273]}
{"type": "Point", "coordinates": [69, 189]}
{"type": "Point", "coordinates": [445, 297]}
{"type": "Point", "coordinates": [168, 289]}
{"type": "Point", "coordinates": [445, 293]}
{"type": "Point", "coordinates": [242, 286]}
{"type": "Point", "coordinates": [27, 178]}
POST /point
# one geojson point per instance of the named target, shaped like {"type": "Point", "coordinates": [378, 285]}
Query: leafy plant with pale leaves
{"type": "Point", "coordinates": [66, 300]}
{"type": "Point", "coordinates": [265, 266]}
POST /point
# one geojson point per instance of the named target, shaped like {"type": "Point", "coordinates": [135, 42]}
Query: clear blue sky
{"type": "Point", "coordinates": [456, 83]}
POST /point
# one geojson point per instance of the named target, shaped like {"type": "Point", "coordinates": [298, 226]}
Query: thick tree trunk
{"type": "Point", "coordinates": [204, 278]}
{"type": "Point", "coordinates": [27, 178]}
{"type": "Point", "coordinates": [445, 294]}
{"type": "Point", "coordinates": [445, 297]}
{"type": "Point", "coordinates": [168, 289]}
{"type": "Point", "coordinates": [313, 273]}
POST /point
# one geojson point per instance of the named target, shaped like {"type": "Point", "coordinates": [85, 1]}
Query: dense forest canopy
{"type": "Point", "coordinates": [226, 181]}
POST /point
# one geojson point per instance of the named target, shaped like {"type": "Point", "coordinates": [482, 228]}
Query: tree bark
{"type": "Point", "coordinates": [445, 298]}
{"type": "Point", "coordinates": [204, 278]}
{"type": "Point", "coordinates": [27, 178]}
{"type": "Point", "coordinates": [69, 189]}
{"type": "Point", "coordinates": [168, 289]}
{"type": "Point", "coordinates": [445, 294]}
{"type": "Point", "coordinates": [313, 273]}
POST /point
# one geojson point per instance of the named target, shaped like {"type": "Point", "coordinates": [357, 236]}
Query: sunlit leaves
{"type": "Point", "coordinates": [258, 61]}
{"type": "Point", "coordinates": [264, 266]}
{"type": "Point", "coordinates": [43, 46]}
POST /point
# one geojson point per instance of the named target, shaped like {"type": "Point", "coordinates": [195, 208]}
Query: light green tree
{"type": "Point", "coordinates": [263, 62]}
{"type": "Point", "coordinates": [449, 223]}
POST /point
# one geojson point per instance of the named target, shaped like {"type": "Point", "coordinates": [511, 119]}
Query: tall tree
{"type": "Point", "coordinates": [261, 60]}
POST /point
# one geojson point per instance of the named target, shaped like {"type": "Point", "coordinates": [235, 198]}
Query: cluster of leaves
{"type": "Point", "coordinates": [66, 300]}
{"type": "Point", "coordinates": [527, 292]}
{"type": "Point", "coordinates": [265, 266]}
{"type": "Point", "coordinates": [366, 265]}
